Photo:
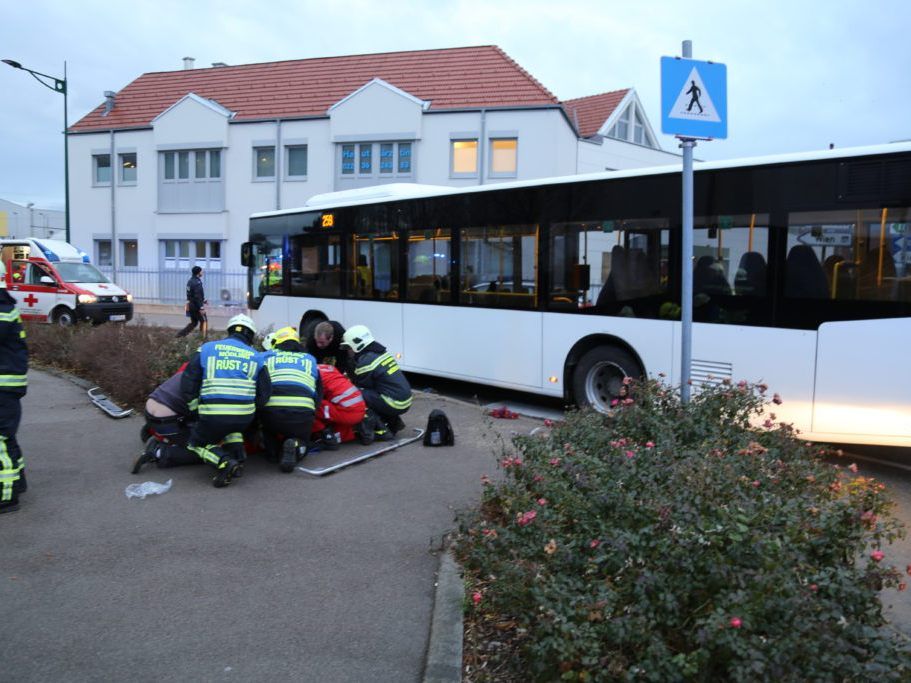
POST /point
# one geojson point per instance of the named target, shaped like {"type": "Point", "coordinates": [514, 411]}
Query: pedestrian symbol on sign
{"type": "Point", "coordinates": [694, 93]}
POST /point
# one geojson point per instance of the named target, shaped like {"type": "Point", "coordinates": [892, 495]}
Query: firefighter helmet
{"type": "Point", "coordinates": [357, 338]}
{"type": "Point", "coordinates": [242, 322]}
{"type": "Point", "coordinates": [278, 337]}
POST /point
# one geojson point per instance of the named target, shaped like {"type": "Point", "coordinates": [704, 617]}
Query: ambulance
{"type": "Point", "coordinates": [54, 282]}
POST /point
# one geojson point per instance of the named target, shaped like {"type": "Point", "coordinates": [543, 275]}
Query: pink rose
{"type": "Point", "coordinates": [476, 597]}
{"type": "Point", "coordinates": [735, 622]}
{"type": "Point", "coordinates": [877, 555]}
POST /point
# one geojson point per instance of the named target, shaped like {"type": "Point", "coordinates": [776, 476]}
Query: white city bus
{"type": "Point", "coordinates": [563, 286]}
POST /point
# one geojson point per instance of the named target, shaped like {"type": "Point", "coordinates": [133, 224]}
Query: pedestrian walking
{"type": "Point", "coordinates": [196, 305]}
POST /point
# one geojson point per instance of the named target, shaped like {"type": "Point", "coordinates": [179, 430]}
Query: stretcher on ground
{"type": "Point", "coordinates": [101, 400]}
{"type": "Point", "coordinates": [336, 460]}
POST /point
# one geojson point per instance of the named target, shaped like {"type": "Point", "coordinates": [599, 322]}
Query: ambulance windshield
{"type": "Point", "coordinates": [79, 272]}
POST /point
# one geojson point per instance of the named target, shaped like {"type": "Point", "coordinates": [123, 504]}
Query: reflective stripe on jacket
{"type": "Point", "coordinates": [295, 379]}
{"type": "Point", "coordinates": [229, 372]}
{"type": "Point", "coordinates": [375, 368]}
{"type": "Point", "coordinates": [13, 351]}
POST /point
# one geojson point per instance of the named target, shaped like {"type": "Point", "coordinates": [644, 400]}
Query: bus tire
{"type": "Point", "coordinates": [63, 316]}
{"type": "Point", "coordinates": [599, 375]}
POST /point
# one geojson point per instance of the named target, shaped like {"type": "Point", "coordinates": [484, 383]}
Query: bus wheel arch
{"type": "Point", "coordinates": [595, 368]}
{"type": "Point", "coordinates": [63, 316]}
{"type": "Point", "coordinates": [309, 320]}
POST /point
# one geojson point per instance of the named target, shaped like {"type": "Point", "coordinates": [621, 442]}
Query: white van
{"type": "Point", "coordinates": [53, 281]}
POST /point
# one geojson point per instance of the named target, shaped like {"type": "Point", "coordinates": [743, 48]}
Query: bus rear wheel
{"type": "Point", "coordinates": [598, 377]}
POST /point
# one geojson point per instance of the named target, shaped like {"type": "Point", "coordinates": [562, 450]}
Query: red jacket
{"type": "Point", "coordinates": [342, 406]}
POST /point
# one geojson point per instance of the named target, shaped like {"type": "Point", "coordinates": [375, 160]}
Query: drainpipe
{"type": "Point", "coordinates": [482, 145]}
{"type": "Point", "coordinates": [113, 213]}
{"type": "Point", "coordinates": [278, 164]}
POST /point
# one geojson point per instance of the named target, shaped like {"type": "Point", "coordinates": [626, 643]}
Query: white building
{"type": "Point", "coordinates": [29, 220]}
{"type": "Point", "coordinates": [166, 172]}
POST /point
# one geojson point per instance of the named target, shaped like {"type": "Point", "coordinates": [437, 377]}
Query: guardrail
{"type": "Point", "coordinates": [222, 288]}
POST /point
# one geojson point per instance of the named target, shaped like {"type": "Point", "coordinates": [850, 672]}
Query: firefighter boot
{"type": "Point", "coordinates": [289, 455]}
{"type": "Point", "coordinates": [329, 440]}
{"type": "Point", "coordinates": [226, 471]}
{"type": "Point", "coordinates": [364, 430]}
{"type": "Point", "coordinates": [149, 454]}
{"type": "Point", "coordinates": [396, 424]}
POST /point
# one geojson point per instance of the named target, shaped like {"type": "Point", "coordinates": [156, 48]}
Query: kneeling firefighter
{"type": "Point", "coordinates": [296, 391]}
{"type": "Point", "coordinates": [225, 383]}
{"type": "Point", "coordinates": [382, 383]}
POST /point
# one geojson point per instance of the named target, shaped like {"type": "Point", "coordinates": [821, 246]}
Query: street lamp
{"type": "Point", "coordinates": [57, 85]}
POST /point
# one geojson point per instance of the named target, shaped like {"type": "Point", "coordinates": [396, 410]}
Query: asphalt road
{"type": "Point", "coordinates": [276, 577]}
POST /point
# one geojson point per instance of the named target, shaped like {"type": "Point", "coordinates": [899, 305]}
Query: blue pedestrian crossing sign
{"type": "Point", "coordinates": [694, 98]}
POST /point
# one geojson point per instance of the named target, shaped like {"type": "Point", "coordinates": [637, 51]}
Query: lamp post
{"type": "Point", "coordinates": [57, 85]}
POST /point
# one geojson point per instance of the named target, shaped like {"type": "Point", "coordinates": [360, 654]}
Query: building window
{"type": "Point", "coordinates": [103, 252]}
{"type": "Point", "coordinates": [504, 158]}
{"type": "Point", "coordinates": [101, 169]}
{"type": "Point", "coordinates": [376, 160]}
{"type": "Point", "coordinates": [639, 129]}
{"type": "Point", "coordinates": [190, 181]}
{"type": "Point", "coordinates": [264, 163]}
{"type": "Point", "coordinates": [183, 254]}
{"type": "Point", "coordinates": [129, 253]}
{"type": "Point", "coordinates": [297, 162]}
{"type": "Point", "coordinates": [128, 168]}
{"type": "Point", "coordinates": [464, 158]}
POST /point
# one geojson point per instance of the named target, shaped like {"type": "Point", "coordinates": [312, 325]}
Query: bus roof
{"type": "Point", "coordinates": [400, 191]}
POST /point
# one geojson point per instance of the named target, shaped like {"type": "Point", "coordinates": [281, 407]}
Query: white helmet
{"type": "Point", "coordinates": [241, 321]}
{"type": "Point", "coordinates": [357, 338]}
{"type": "Point", "coordinates": [2, 275]}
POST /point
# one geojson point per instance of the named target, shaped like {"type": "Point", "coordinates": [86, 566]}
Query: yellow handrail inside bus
{"type": "Point", "coordinates": [835, 270]}
{"type": "Point", "coordinates": [752, 225]}
{"type": "Point", "coordinates": [882, 246]}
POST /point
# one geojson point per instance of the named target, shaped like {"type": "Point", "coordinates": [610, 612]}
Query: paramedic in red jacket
{"type": "Point", "coordinates": [340, 410]}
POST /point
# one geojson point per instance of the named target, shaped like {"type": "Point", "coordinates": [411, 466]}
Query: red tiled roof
{"type": "Point", "coordinates": [590, 113]}
{"type": "Point", "coordinates": [466, 77]}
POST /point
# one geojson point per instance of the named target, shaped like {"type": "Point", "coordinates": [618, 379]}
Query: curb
{"type": "Point", "coordinates": [444, 651]}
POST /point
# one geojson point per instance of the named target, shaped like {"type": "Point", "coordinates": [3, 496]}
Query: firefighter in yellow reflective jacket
{"type": "Point", "coordinates": [296, 391]}
{"type": "Point", "coordinates": [224, 381]}
{"type": "Point", "coordinates": [13, 384]}
{"type": "Point", "coordinates": [382, 383]}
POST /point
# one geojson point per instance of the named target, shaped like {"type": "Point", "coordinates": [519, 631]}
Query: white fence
{"type": "Point", "coordinates": [222, 288]}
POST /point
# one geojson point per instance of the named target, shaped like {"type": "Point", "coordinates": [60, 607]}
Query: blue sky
{"type": "Point", "coordinates": [801, 73]}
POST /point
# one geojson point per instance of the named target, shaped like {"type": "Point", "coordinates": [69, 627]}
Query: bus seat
{"type": "Point", "coordinates": [751, 275]}
{"type": "Point", "coordinates": [614, 288]}
{"type": "Point", "coordinates": [708, 278]}
{"type": "Point", "coordinates": [804, 276]}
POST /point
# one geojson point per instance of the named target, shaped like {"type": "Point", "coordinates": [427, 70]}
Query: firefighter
{"type": "Point", "coordinates": [341, 409]}
{"type": "Point", "coordinates": [13, 384]}
{"type": "Point", "coordinates": [296, 391]}
{"type": "Point", "coordinates": [382, 383]}
{"type": "Point", "coordinates": [225, 384]}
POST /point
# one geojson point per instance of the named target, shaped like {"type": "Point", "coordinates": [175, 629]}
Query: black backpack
{"type": "Point", "coordinates": [439, 431]}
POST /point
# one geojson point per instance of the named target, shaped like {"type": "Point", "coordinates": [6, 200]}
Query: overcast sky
{"type": "Point", "coordinates": [801, 73]}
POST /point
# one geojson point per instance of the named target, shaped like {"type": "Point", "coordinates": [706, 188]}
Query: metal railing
{"type": "Point", "coordinates": [222, 288]}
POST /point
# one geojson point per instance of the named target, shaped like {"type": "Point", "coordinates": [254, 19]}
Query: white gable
{"type": "Point", "coordinates": [192, 119]}
{"type": "Point", "coordinates": [377, 110]}
{"type": "Point", "coordinates": [631, 104]}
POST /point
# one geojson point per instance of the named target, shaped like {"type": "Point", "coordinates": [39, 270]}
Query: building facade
{"type": "Point", "coordinates": [17, 220]}
{"type": "Point", "coordinates": [165, 174]}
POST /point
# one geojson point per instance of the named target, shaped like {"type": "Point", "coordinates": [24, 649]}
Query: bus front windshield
{"type": "Point", "coordinates": [79, 272]}
{"type": "Point", "coordinates": [266, 274]}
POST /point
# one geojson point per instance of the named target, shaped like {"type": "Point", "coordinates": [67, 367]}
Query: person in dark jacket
{"type": "Point", "coordinates": [324, 340]}
{"type": "Point", "coordinates": [196, 305]}
{"type": "Point", "coordinates": [13, 385]}
{"type": "Point", "coordinates": [382, 383]}
{"type": "Point", "coordinates": [225, 384]}
{"type": "Point", "coordinates": [169, 421]}
{"type": "Point", "coordinates": [287, 416]}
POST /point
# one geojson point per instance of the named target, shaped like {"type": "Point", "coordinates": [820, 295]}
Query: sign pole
{"type": "Point", "coordinates": [686, 260]}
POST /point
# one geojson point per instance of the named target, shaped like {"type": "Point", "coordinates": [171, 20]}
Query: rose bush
{"type": "Point", "coordinates": [672, 542]}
